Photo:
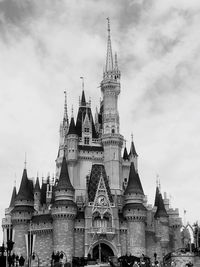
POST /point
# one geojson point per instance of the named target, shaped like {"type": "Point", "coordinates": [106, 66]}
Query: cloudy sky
{"type": "Point", "coordinates": [45, 46]}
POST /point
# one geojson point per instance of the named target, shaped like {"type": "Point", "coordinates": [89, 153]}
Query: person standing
{"type": "Point", "coordinates": [21, 261]}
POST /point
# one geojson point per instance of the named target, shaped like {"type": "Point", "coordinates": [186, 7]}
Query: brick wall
{"type": "Point", "coordinates": [19, 239]}
{"type": "Point", "coordinates": [43, 248]}
{"type": "Point", "coordinates": [123, 241]}
{"type": "Point", "coordinates": [136, 238]}
{"type": "Point", "coordinates": [63, 236]}
{"type": "Point", "coordinates": [79, 243]}
{"type": "Point", "coordinates": [150, 244]}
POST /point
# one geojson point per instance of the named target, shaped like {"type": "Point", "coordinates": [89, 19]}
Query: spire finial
{"type": "Point", "coordinates": [82, 78]}
{"type": "Point", "coordinates": [131, 137]}
{"type": "Point", "coordinates": [157, 181]}
{"type": "Point", "coordinates": [108, 19]}
{"type": "Point", "coordinates": [109, 58]}
{"type": "Point", "coordinates": [25, 161]}
{"type": "Point", "coordinates": [65, 107]}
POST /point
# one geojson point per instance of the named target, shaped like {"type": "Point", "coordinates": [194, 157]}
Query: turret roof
{"type": "Point", "coordinates": [134, 183]}
{"type": "Point", "coordinates": [72, 127]}
{"type": "Point", "coordinates": [26, 188]}
{"type": "Point", "coordinates": [43, 193]}
{"type": "Point", "coordinates": [157, 196]}
{"type": "Point", "coordinates": [83, 101]}
{"type": "Point", "coordinates": [125, 155]}
{"type": "Point", "coordinates": [12, 201]}
{"type": "Point", "coordinates": [80, 118]}
{"type": "Point", "coordinates": [37, 185]}
{"type": "Point", "coordinates": [161, 211]}
{"type": "Point", "coordinates": [132, 150]}
{"type": "Point", "coordinates": [64, 180]}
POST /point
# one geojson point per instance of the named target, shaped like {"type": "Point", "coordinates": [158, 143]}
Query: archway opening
{"type": "Point", "coordinates": [102, 252]}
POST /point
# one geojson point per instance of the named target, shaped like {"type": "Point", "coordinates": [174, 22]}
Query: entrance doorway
{"type": "Point", "coordinates": [102, 252]}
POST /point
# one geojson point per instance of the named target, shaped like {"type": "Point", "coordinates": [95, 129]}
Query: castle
{"type": "Point", "coordinates": [96, 204]}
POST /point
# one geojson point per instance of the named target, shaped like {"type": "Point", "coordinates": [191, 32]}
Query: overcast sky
{"type": "Point", "coordinates": [45, 46]}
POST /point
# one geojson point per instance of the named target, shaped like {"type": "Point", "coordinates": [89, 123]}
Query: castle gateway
{"type": "Point", "coordinates": [96, 204]}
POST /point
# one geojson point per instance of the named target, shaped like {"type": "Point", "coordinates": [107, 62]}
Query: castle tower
{"type": "Point", "coordinates": [8, 233]}
{"type": "Point", "coordinates": [161, 223]}
{"type": "Point", "coordinates": [21, 215]}
{"type": "Point", "coordinates": [133, 156]}
{"type": "Point", "coordinates": [135, 213]}
{"type": "Point", "coordinates": [64, 128]}
{"type": "Point", "coordinates": [63, 212]}
{"type": "Point", "coordinates": [37, 195]}
{"type": "Point", "coordinates": [111, 138]}
{"type": "Point", "coordinates": [72, 141]}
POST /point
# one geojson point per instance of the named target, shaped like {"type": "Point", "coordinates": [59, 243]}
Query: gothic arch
{"type": "Point", "coordinates": [114, 249]}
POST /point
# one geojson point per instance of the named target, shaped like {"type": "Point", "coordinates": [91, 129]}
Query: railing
{"type": "Point", "coordinates": [102, 230]}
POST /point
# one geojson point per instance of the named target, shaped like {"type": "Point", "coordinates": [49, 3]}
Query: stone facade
{"type": "Point", "coordinates": [96, 199]}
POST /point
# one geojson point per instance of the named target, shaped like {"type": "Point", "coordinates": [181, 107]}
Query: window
{"type": "Point", "coordinates": [86, 140]}
{"type": "Point", "coordinates": [86, 130]}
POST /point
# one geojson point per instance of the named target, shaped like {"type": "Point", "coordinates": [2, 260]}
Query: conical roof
{"type": "Point", "coordinates": [43, 193]}
{"type": "Point", "coordinates": [37, 185]}
{"type": "Point", "coordinates": [12, 201]}
{"type": "Point", "coordinates": [25, 190]}
{"type": "Point", "coordinates": [81, 117]}
{"type": "Point", "coordinates": [157, 196]}
{"type": "Point", "coordinates": [125, 155]}
{"type": "Point", "coordinates": [132, 150]}
{"type": "Point", "coordinates": [83, 101]}
{"type": "Point", "coordinates": [72, 127]}
{"type": "Point", "coordinates": [134, 183]}
{"type": "Point", "coordinates": [161, 211]}
{"type": "Point", "coordinates": [64, 180]}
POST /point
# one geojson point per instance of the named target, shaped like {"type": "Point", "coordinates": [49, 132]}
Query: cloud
{"type": "Point", "coordinates": [47, 45]}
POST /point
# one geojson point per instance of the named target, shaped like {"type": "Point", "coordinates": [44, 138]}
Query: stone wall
{"type": "Point", "coordinates": [19, 239]}
{"type": "Point", "coordinates": [79, 243]}
{"type": "Point", "coordinates": [63, 236]}
{"type": "Point", "coordinates": [136, 238]}
{"type": "Point", "coordinates": [43, 248]}
{"type": "Point", "coordinates": [123, 240]}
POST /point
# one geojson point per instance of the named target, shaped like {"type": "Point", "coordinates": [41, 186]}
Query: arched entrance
{"type": "Point", "coordinates": [102, 252]}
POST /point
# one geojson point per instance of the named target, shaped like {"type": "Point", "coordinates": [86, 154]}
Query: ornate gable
{"type": "Point", "coordinates": [101, 202]}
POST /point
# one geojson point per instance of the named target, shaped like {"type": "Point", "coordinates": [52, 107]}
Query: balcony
{"type": "Point", "coordinates": [102, 230]}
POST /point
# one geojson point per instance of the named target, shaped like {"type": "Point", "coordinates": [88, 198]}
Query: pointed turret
{"type": "Point", "coordinates": [157, 195]}
{"type": "Point", "coordinates": [37, 185]}
{"type": "Point", "coordinates": [161, 211]}
{"type": "Point", "coordinates": [37, 195]}
{"type": "Point", "coordinates": [83, 101]}
{"type": "Point", "coordinates": [72, 127]}
{"type": "Point", "coordinates": [134, 184]}
{"type": "Point", "coordinates": [125, 154]}
{"type": "Point", "coordinates": [64, 211]}
{"type": "Point", "coordinates": [12, 201]}
{"type": "Point", "coordinates": [135, 213]}
{"type": "Point", "coordinates": [109, 56]}
{"type": "Point", "coordinates": [65, 118]}
{"type": "Point", "coordinates": [64, 182]}
{"type": "Point", "coordinates": [132, 149]}
{"type": "Point", "coordinates": [133, 156]}
{"type": "Point", "coordinates": [25, 190]}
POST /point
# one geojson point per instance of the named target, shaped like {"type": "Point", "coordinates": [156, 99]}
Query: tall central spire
{"type": "Point", "coordinates": [65, 109]}
{"type": "Point", "coordinates": [109, 57]}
